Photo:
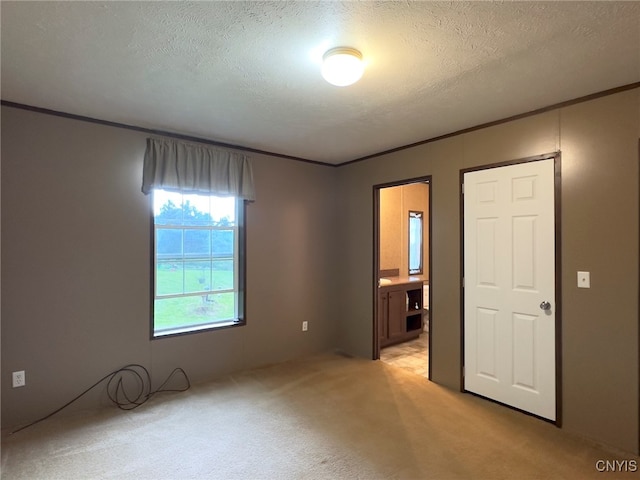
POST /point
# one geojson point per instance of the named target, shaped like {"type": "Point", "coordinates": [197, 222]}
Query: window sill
{"type": "Point", "coordinates": [173, 332]}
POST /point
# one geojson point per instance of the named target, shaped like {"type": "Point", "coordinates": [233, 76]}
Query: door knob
{"type": "Point", "coordinates": [545, 306]}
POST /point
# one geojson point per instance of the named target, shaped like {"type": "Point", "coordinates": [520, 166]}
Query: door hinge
{"type": "Point", "coordinates": [462, 282]}
{"type": "Point", "coordinates": [463, 189]}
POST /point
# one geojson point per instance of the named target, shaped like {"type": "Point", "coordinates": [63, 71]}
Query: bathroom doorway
{"type": "Point", "coordinates": [402, 275]}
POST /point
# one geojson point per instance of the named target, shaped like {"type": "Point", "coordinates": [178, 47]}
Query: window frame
{"type": "Point", "coordinates": [239, 282]}
{"type": "Point", "coordinates": [419, 215]}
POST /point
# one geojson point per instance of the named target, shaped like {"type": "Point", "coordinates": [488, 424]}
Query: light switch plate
{"type": "Point", "coordinates": [584, 280]}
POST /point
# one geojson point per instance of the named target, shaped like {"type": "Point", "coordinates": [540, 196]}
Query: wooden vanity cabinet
{"type": "Point", "coordinates": [399, 313]}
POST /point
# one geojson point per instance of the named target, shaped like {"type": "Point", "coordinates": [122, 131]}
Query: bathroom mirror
{"type": "Point", "coordinates": [415, 242]}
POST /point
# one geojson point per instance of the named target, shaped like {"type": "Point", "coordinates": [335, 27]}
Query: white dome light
{"type": "Point", "coordinates": [342, 66]}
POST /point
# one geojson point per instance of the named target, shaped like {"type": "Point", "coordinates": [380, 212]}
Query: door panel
{"type": "Point", "coordinates": [509, 270]}
{"type": "Point", "coordinates": [524, 253]}
{"type": "Point", "coordinates": [486, 343]}
{"type": "Point", "coordinates": [524, 351]}
{"type": "Point", "coordinates": [397, 314]}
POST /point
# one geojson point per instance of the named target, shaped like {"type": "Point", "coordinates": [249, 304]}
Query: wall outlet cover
{"type": "Point", "coordinates": [18, 379]}
{"type": "Point", "coordinates": [584, 280]}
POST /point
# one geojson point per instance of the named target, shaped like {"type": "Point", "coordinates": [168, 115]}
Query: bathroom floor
{"type": "Point", "coordinates": [411, 355]}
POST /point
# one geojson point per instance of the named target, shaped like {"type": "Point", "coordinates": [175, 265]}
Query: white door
{"type": "Point", "coordinates": [509, 286]}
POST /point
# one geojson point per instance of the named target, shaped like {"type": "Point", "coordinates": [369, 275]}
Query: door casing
{"type": "Point", "coordinates": [558, 272]}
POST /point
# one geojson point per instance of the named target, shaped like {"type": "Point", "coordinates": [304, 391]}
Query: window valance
{"type": "Point", "coordinates": [196, 168]}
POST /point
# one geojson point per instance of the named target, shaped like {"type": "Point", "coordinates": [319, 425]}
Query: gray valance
{"type": "Point", "coordinates": [196, 168]}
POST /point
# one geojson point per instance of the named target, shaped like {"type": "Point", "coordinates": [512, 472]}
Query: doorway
{"type": "Point", "coordinates": [402, 275]}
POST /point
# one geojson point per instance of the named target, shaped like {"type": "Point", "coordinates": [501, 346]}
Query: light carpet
{"type": "Point", "coordinates": [323, 417]}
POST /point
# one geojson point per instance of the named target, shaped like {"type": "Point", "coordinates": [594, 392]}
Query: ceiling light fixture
{"type": "Point", "coordinates": [342, 66]}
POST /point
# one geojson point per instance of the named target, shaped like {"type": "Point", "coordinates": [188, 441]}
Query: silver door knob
{"type": "Point", "coordinates": [545, 306]}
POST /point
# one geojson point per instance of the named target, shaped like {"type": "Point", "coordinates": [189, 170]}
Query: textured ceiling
{"type": "Point", "coordinates": [248, 73]}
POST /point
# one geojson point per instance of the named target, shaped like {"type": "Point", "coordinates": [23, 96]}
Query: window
{"type": "Point", "coordinates": [415, 242]}
{"type": "Point", "coordinates": [198, 259]}
{"type": "Point", "coordinates": [199, 197]}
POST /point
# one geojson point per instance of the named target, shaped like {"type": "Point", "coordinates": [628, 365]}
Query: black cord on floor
{"type": "Point", "coordinates": [119, 395]}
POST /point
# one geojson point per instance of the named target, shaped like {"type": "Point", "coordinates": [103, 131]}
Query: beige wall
{"type": "Point", "coordinates": [76, 271]}
{"type": "Point", "coordinates": [599, 144]}
{"type": "Point", "coordinates": [391, 228]}
{"type": "Point", "coordinates": [395, 204]}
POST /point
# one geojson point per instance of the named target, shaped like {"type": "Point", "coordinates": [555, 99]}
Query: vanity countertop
{"type": "Point", "coordinates": [394, 281]}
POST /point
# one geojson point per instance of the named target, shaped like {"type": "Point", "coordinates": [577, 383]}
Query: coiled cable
{"type": "Point", "coordinates": [125, 398]}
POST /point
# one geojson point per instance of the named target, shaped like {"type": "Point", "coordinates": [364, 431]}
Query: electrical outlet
{"type": "Point", "coordinates": [305, 326]}
{"type": "Point", "coordinates": [19, 379]}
